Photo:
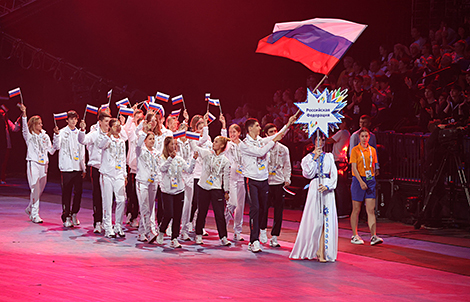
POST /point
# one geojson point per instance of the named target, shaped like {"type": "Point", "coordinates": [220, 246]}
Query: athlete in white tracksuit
{"type": "Point", "coordinates": [184, 150]}
{"type": "Point", "coordinates": [38, 145]}
{"type": "Point", "coordinates": [236, 202]}
{"type": "Point", "coordinates": [113, 177]}
{"type": "Point", "coordinates": [146, 185]}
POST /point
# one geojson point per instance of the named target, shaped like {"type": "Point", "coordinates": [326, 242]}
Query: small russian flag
{"type": "Point", "coordinates": [92, 109]}
{"type": "Point", "coordinates": [177, 99]}
{"type": "Point", "coordinates": [192, 135]}
{"type": "Point", "coordinates": [151, 99]}
{"type": "Point", "coordinates": [60, 116]}
{"type": "Point", "coordinates": [289, 191]}
{"type": "Point", "coordinates": [14, 92]}
{"type": "Point", "coordinates": [162, 97]}
{"type": "Point", "coordinates": [146, 105]}
{"type": "Point", "coordinates": [156, 107]}
{"type": "Point", "coordinates": [109, 93]}
{"type": "Point", "coordinates": [123, 102]}
{"type": "Point", "coordinates": [208, 96]}
{"type": "Point", "coordinates": [175, 113]}
{"type": "Point", "coordinates": [104, 106]}
{"type": "Point", "coordinates": [214, 102]}
{"type": "Point", "coordinates": [178, 134]}
{"type": "Point", "coordinates": [211, 117]}
{"type": "Point", "coordinates": [125, 111]}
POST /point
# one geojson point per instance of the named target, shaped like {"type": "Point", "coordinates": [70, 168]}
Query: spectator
{"type": "Point", "coordinates": [418, 40]}
{"type": "Point", "coordinates": [374, 69]}
{"type": "Point", "coordinates": [361, 101]}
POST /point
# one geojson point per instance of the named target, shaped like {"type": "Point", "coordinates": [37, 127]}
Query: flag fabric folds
{"type": "Point", "coordinates": [179, 134]}
{"type": "Point", "coordinates": [151, 99]}
{"type": "Point", "coordinates": [109, 93]}
{"type": "Point", "coordinates": [92, 109]}
{"type": "Point", "coordinates": [126, 111]}
{"type": "Point", "coordinates": [207, 97]}
{"type": "Point", "coordinates": [211, 117]}
{"type": "Point", "coordinates": [156, 107]}
{"type": "Point", "coordinates": [123, 102]}
{"type": "Point", "coordinates": [177, 99]}
{"type": "Point", "coordinates": [214, 102]}
{"type": "Point", "coordinates": [175, 113]}
{"type": "Point", "coordinates": [14, 92]}
{"type": "Point", "coordinates": [318, 43]}
{"type": "Point", "coordinates": [60, 116]}
{"type": "Point", "coordinates": [162, 97]}
{"type": "Point", "coordinates": [104, 106]}
{"type": "Point", "coordinates": [192, 135]}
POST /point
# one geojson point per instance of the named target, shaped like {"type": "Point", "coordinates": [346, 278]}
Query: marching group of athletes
{"type": "Point", "coordinates": [184, 173]}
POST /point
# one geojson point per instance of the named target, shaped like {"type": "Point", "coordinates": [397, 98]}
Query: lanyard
{"type": "Point", "coordinates": [364, 160]}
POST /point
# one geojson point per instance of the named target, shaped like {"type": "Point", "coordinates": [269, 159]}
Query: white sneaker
{"type": "Point", "coordinates": [110, 234]}
{"type": "Point", "coordinates": [376, 240]}
{"type": "Point", "coordinates": [224, 241]}
{"type": "Point", "coordinates": [357, 240]}
{"type": "Point", "coordinates": [263, 238]}
{"type": "Point", "coordinates": [273, 242]}
{"type": "Point", "coordinates": [160, 238]}
{"type": "Point", "coordinates": [199, 239]}
{"type": "Point", "coordinates": [134, 223]}
{"type": "Point", "coordinates": [238, 237]}
{"type": "Point", "coordinates": [204, 233]}
{"type": "Point", "coordinates": [185, 237]}
{"type": "Point", "coordinates": [190, 226]}
{"type": "Point", "coordinates": [168, 231]}
{"type": "Point", "coordinates": [175, 244]}
{"type": "Point", "coordinates": [254, 247]}
{"type": "Point", "coordinates": [68, 222]}
{"type": "Point", "coordinates": [142, 238]}
{"type": "Point", "coordinates": [98, 228]}
{"type": "Point", "coordinates": [120, 232]}
{"type": "Point", "coordinates": [152, 237]}
{"type": "Point", "coordinates": [75, 220]}
{"type": "Point", "coordinates": [37, 219]}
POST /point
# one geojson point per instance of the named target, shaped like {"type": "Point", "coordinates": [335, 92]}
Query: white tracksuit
{"type": "Point", "coordinates": [112, 179]}
{"type": "Point", "coordinates": [184, 150]}
{"type": "Point", "coordinates": [146, 185]}
{"type": "Point", "coordinates": [236, 202]}
{"type": "Point", "coordinates": [37, 161]}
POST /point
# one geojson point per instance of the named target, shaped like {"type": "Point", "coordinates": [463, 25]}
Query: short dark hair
{"type": "Point", "coordinates": [113, 121]}
{"type": "Point", "coordinates": [365, 117]}
{"type": "Point", "coordinates": [363, 129]}
{"type": "Point", "coordinates": [250, 123]}
{"type": "Point", "coordinates": [103, 115]}
{"type": "Point", "coordinates": [72, 114]}
{"type": "Point", "coordinates": [267, 127]}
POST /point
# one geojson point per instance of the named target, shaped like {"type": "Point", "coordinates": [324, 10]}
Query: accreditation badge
{"type": "Point", "coordinates": [239, 169]}
{"type": "Point", "coordinates": [368, 175]}
{"type": "Point", "coordinates": [76, 156]}
{"type": "Point", "coordinates": [41, 159]}
{"type": "Point", "coordinates": [210, 180]}
{"type": "Point", "coordinates": [273, 172]}
{"type": "Point", "coordinates": [119, 165]}
{"type": "Point", "coordinates": [262, 167]}
{"type": "Point", "coordinates": [174, 182]}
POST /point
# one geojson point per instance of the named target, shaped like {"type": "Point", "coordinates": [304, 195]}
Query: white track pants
{"type": "Point", "coordinates": [236, 205]}
{"type": "Point", "coordinates": [108, 186]}
{"type": "Point", "coordinates": [146, 193]}
{"type": "Point", "coordinates": [37, 179]}
{"type": "Point", "coordinates": [188, 198]}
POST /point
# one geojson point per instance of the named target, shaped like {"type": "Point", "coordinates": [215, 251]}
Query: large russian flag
{"type": "Point", "coordinates": [318, 43]}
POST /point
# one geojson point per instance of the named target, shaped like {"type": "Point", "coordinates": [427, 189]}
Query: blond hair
{"type": "Point", "coordinates": [33, 121]}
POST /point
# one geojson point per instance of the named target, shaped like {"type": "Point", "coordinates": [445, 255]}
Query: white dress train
{"type": "Point", "coordinates": [319, 212]}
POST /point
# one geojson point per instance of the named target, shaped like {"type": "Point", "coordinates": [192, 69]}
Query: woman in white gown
{"type": "Point", "coordinates": [318, 231]}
